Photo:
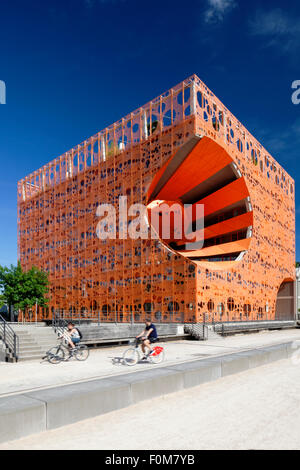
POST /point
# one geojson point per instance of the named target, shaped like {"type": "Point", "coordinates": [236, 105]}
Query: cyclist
{"type": "Point", "coordinates": [148, 336]}
{"type": "Point", "coordinates": [72, 335]}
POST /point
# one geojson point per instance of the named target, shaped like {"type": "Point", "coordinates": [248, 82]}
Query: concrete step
{"type": "Point", "coordinates": [25, 340]}
{"type": "Point", "coordinates": [38, 339]}
{"type": "Point", "coordinates": [36, 345]}
{"type": "Point", "coordinates": [41, 340]}
{"type": "Point", "coordinates": [28, 345]}
{"type": "Point", "coordinates": [41, 335]}
{"type": "Point", "coordinates": [31, 353]}
{"type": "Point", "coordinates": [35, 331]}
{"type": "Point", "coordinates": [213, 334]}
{"type": "Point", "coordinates": [30, 358]}
{"type": "Point", "coordinates": [36, 335]}
{"type": "Point", "coordinates": [47, 342]}
{"type": "Point", "coordinates": [25, 352]}
{"type": "Point", "coordinates": [44, 340]}
{"type": "Point", "coordinates": [40, 345]}
{"type": "Point", "coordinates": [29, 349]}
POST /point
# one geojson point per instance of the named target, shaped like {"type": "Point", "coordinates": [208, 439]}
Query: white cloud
{"type": "Point", "coordinates": [217, 9]}
{"type": "Point", "coordinates": [278, 28]}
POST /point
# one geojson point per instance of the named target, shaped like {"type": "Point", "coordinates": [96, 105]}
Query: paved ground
{"type": "Point", "coordinates": [256, 409]}
{"type": "Point", "coordinates": [15, 378]}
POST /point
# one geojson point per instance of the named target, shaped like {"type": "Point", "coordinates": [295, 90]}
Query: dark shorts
{"type": "Point", "coordinates": [75, 340]}
{"type": "Point", "coordinates": [153, 340]}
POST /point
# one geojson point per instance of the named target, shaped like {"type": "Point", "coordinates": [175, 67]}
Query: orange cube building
{"type": "Point", "coordinates": [183, 147]}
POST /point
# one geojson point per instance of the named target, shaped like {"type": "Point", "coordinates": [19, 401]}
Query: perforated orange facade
{"type": "Point", "coordinates": [183, 147]}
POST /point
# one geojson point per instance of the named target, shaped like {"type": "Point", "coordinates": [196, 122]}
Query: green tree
{"type": "Point", "coordinates": [23, 289]}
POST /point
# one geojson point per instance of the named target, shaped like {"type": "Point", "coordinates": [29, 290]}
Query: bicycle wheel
{"type": "Point", "coordinates": [131, 357]}
{"type": "Point", "coordinates": [158, 356]}
{"type": "Point", "coordinates": [82, 352]}
{"type": "Point", "coordinates": [55, 355]}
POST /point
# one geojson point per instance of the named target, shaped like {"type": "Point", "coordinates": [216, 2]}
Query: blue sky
{"type": "Point", "coordinates": [72, 67]}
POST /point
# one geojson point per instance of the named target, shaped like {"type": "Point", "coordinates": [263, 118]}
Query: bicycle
{"type": "Point", "coordinates": [132, 355]}
{"type": "Point", "coordinates": [57, 354]}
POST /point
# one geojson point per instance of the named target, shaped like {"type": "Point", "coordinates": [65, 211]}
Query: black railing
{"type": "Point", "coordinates": [60, 319]}
{"type": "Point", "coordinates": [224, 328]}
{"type": "Point", "coordinates": [9, 338]}
{"type": "Point", "coordinates": [197, 330]}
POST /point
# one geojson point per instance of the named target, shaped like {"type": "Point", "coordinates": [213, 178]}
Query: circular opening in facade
{"type": "Point", "coordinates": [199, 205]}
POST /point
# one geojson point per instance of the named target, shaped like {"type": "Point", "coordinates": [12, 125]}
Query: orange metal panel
{"type": "Point", "coordinates": [233, 247]}
{"type": "Point", "coordinates": [204, 161]}
{"type": "Point", "coordinates": [230, 194]}
{"type": "Point", "coordinates": [228, 226]}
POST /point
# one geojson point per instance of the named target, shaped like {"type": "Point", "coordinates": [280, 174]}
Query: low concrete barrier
{"type": "Point", "coordinates": [20, 416]}
{"type": "Point", "coordinates": [199, 372]}
{"type": "Point", "coordinates": [34, 412]}
{"type": "Point", "coordinates": [71, 403]}
{"type": "Point", "coordinates": [234, 363]}
{"type": "Point", "coordinates": [264, 356]}
{"type": "Point", "coordinates": [152, 383]}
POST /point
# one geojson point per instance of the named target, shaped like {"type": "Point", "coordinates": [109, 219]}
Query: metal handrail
{"type": "Point", "coordinates": [9, 338]}
{"type": "Point", "coordinates": [235, 326]}
{"type": "Point", "coordinates": [197, 330]}
{"type": "Point", "coordinates": [61, 319]}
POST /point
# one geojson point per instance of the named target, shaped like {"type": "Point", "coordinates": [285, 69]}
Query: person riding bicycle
{"type": "Point", "coordinates": [148, 336]}
{"type": "Point", "coordinates": [72, 335]}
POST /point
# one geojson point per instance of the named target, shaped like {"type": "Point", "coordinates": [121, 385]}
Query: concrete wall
{"type": "Point", "coordinates": [125, 330]}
